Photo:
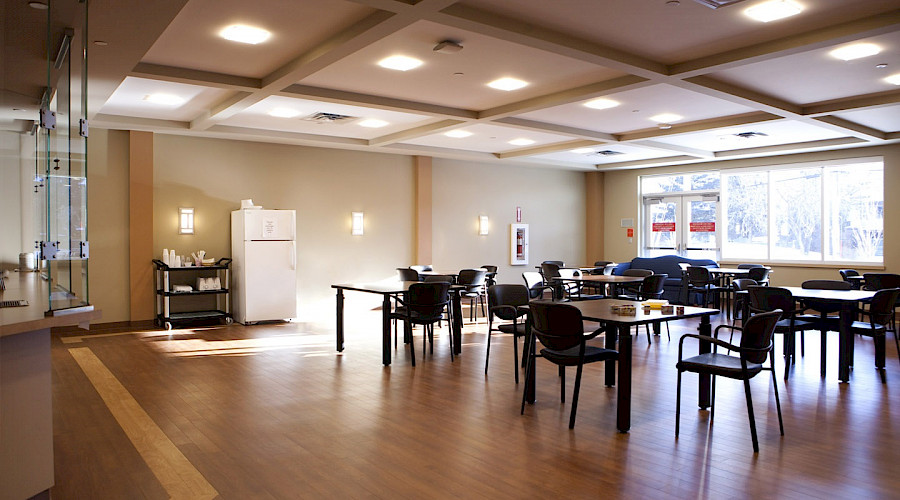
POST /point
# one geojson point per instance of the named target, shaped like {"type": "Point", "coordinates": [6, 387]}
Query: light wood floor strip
{"type": "Point", "coordinates": [178, 476]}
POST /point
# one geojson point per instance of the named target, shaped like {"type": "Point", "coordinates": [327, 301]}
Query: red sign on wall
{"type": "Point", "coordinates": [663, 227]}
{"type": "Point", "coordinates": [703, 227]}
{"type": "Point", "coordinates": [629, 232]}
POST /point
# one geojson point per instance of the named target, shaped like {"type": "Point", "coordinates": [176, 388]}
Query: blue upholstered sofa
{"type": "Point", "coordinates": [666, 264]}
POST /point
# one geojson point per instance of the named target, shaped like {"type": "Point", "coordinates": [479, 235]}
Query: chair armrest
{"type": "Point", "coordinates": [711, 340]}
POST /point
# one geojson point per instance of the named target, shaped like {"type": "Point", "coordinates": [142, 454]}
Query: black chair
{"type": "Point", "coordinates": [881, 314]}
{"type": "Point", "coordinates": [634, 288]}
{"type": "Point", "coordinates": [473, 280]}
{"type": "Point", "coordinates": [600, 266]}
{"type": "Point", "coordinates": [652, 288]}
{"type": "Point", "coordinates": [759, 275]}
{"type": "Point", "coordinates": [408, 274]}
{"type": "Point", "coordinates": [505, 302]}
{"type": "Point", "coordinates": [770, 298]}
{"type": "Point", "coordinates": [535, 284]}
{"type": "Point", "coordinates": [701, 282]}
{"type": "Point", "coordinates": [439, 278]}
{"type": "Point", "coordinates": [560, 329]}
{"type": "Point", "coordinates": [848, 275]}
{"type": "Point", "coordinates": [756, 345]}
{"type": "Point", "coordinates": [558, 263]}
{"type": "Point", "coordinates": [598, 270]}
{"type": "Point", "coordinates": [424, 304]}
{"type": "Point", "coordinates": [881, 281]}
{"type": "Point", "coordinates": [739, 289]}
{"type": "Point", "coordinates": [422, 268]}
{"type": "Point", "coordinates": [490, 277]}
{"type": "Point", "coordinates": [822, 321]}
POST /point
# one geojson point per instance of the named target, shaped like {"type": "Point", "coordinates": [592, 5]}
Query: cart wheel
{"type": "Point", "coordinates": [168, 325]}
{"type": "Point", "coordinates": [228, 321]}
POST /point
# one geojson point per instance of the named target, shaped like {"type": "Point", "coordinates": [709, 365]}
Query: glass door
{"type": "Point", "coordinates": [684, 225]}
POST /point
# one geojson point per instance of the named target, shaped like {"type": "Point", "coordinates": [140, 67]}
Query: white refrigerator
{"type": "Point", "coordinates": [264, 263]}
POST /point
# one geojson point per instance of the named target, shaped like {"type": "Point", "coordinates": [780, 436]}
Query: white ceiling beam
{"type": "Point", "coordinates": [792, 147]}
{"type": "Point", "coordinates": [374, 101]}
{"type": "Point", "coordinates": [195, 77]}
{"type": "Point", "coordinates": [698, 126]}
{"type": "Point", "coordinates": [553, 128]}
{"type": "Point", "coordinates": [740, 95]}
{"type": "Point", "coordinates": [117, 122]}
{"type": "Point", "coordinates": [662, 146]}
{"type": "Point", "coordinates": [857, 130]}
{"type": "Point", "coordinates": [549, 148]}
{"type": "Point", "coordinates": [650, 162]}
{"type": "Point", "coordinates": [414, 132]}
{"type": "Point", "coordinates": [856, 103]}
{"type": "Point", "coordinates": [795, 44]}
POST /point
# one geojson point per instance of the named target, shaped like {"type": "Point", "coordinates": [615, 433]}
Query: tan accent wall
{"type": "Point", "coordinates": [140, 219]}
{"type": "Point", "coordinates": [621, 192]}
{"type": "Point", "coordinates": [593, 215]}
{"type": "Point", "coordinates": [552, 204]}
{"type": "Point", "coordinates": [12, 192]}
{"type": "Point", "coordinates": [424, 231]}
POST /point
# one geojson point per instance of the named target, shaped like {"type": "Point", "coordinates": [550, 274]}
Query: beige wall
{"type": "Point", "coordinates": [622, 201]}
{"type": "Point", "coordinates": [11, 192]}
{"type": "Point", "coordinates": [552, 204]}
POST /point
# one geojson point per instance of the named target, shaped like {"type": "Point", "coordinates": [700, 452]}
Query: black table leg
{"type": "Point", "coordinates": [610, 343]}
{"type": "Point", "coordinates": [623, 405]}
{"type": "Point", "coordinates": [530, 376]}
{"type": "Point", "coordinates": [456, 321]}
{"type": "Point", "coordinates": [339, 330]}
{"type": "Point", "coordinates": [705, 329]}
{"type": "Point", "coordinates": [386, 330]}
{"type": "Point", "coordinates": [845, 341]}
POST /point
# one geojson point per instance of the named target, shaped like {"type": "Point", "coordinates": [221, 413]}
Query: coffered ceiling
{"type": "Point", "coordinates": [775, 84]}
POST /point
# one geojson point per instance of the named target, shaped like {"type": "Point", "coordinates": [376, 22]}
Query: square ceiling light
{"type": "Point", "coordinates": [773, 10]}
{"type": "Point", "coordinates": [666, 117]}
{"type": "Point", "coordinates": [245, 34]}
{"type": "Point", "coordinates": [507, 84]}
{"type": "Point", "coordinates": [521, 142]}
{"type": "Point", "coordinates": [164, 99]}
{"type": "Point", "coordinates": [601, 103]}
{"type": "Point", "coordinates": [458, 134]}
{"type": "Point", "coordinates": [372, 123]}
{"type": "Point", "coordinates": [400, 63]}
{"type": "Point", "coordinates": [855, 51]}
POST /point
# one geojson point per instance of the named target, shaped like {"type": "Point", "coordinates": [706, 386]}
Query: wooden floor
{"type": "Point", "coordinates": [273, 411]}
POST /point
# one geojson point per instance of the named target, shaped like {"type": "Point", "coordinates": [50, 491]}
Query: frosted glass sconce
{"type": "Point", "coordinates": [185, 221]}
{"type": "Point", "coordinates": [483, 225]}
{"type": "Point", "coordinates": [356, 227]}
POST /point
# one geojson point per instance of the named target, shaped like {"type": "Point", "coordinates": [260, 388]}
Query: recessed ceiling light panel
{"type": "Point", "coordinates": [773, 10]}
{"type": "Point", "coordinates": [458, 134]}
{"type": "Point", "coordinates": [895, 79]}
{"type": "Point", "coordinates": [372, 123]}
{"type": "Point", "coordinates": [582, 151]}
{"type": "Point", "coordinates": [164, 99]}
{"type": "Point", "coordinates": [521, 142]}
{"type": "Point", "coordinates": [507, 84]}
{"type": "Point", "coordinates": [666, 118]}
{"type": "Point", "coordinates": [284, 113]}
{"type": "Point", "coordinates": [400, 63]}
{"type": "Point", "coordinates": [855, 51]}
{"type": "Point", "coordinates": [601, 103]}
{"type": "Point", "coordinates": [245, 34]}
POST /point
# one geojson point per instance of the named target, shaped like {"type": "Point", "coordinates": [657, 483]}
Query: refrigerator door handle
{"type": "Point", "coordinates": [293, 256]}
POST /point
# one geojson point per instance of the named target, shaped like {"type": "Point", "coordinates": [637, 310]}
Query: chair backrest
{"type": "Point", "coordinates": [881, 307]}
{"type": "Point", "coordinates": [698, 275]}
{"type": "Point", "coordinates": [558, 263]}
{"type": "Point", "coordinates": [507, 295]}
{"type": "Point", "coordinates": [758, 274]}
{"type": "Point", "coordinates": [880, 281]}
{"type": "Point", "coordinates": [426, 267]}
{"type": "Point", "coordinates": [826, 285]}
{"type": "Point", "coordinates": [534, 282]}
{"type": "Point", "coordinates": [643, 273]}
{"type": "Point", "coordinates": [490, 269]}
{"type": "Point", "coordinates": [749, 266]}
{"type": "Point", "coordinates": [407, 274]}
{"type": "Point", "coordinates": [652, 286]}
{"type": "Point", "coordinates": [769, 298]}
{"type": "Point", "coordinates": [472, 278]}
{"type": "Point", "coordinates": [741, 284]}
{"type": "Point", "coordinates": [427, 300]}
{"type": "Point", "coordinates": [600, 267]}
{"type": "Point", "coordinates": [846, 273]}
{"type": "Point", "coordinates": [757, 333]}
{"type": "Point", "coordinates": [549, 270]}
{"type": "Point", "coordinates": [439, 278]}
{"type": "Point", "coordinates": [557, 325]}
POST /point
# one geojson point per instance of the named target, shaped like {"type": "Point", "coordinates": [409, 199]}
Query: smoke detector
{"type": "Point", "coordinates": [448, 47]}
{"type": "Point", "coordinates": [322, 117]}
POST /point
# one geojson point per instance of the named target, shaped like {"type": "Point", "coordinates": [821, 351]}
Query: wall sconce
{"type": "Point", "coordinates": [185, 221]}
{"type": "Point", "coordinates": [483, 225]}
{"type": "Point", "coordinates": [356, 225]}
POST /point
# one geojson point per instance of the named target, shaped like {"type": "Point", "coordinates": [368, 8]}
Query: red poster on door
{"type": "Point", "coordinates": [703, 227]}
{"type": "Point", "coordinates": [663, 227]}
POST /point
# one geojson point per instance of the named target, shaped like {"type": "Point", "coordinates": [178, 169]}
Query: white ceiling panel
{"type": "Point", "coordinates": [817, 76]}
{"type": "Point", "coordinates": [460, 79]}
{"type": "Point", "coordinates": [257, 116]}
{"type": "Point", "coordinates": [886, 119]}
{"type": "Point", "coordinates": [777, 133]}
{"type": "Point", "coordinates": [635, 109]}
{"type": "Point", "coordinates": [130, 100]}
{"type": "Point", "coordinates": [192, 39]}
{"type": "Point", "coordinates": [489, 139]}
{"type": "Point", "coordinates": [628, 153]}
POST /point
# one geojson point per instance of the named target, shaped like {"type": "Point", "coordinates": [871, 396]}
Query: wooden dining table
{"type": "Point", "coordinates": [619, 328]}
{"type": "Point", "coordinates": [388, 290]}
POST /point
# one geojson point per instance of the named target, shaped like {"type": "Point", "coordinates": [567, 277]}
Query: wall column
{"type": "Point", "coordinates": [140, 225]}
{"type": "Point", "coordinates": [593, 202]}
{"type": "Point", "coordinates": [423, 251]}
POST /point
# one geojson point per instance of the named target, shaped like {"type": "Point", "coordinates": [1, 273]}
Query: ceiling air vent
{"type": "Point", "coordinates": [329, 118]}
{"type": "Point", "coordinates": [750, 135]}
{"type": "Point", "coordinates": [715, 4]}
{"type": "Point", "coordinates": [608, 152]}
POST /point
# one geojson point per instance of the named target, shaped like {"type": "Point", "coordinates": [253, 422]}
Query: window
{"type": "Point", "coordinates": [823, 212]}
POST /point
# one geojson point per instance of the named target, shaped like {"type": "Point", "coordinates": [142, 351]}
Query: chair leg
{"type": "Point", "coordinates": [562, 384]}
{"type": "Point", "coordinates": [880, 345]}
{"type": "Point", "coordinates": [487, 356]}
{"type": "Point", "coordinates": [515, 351]}
{"type": "Point", "coordinates": [647, 327]}
{"type": "Point", "coordinates": [897, 341]}
{"type": "Point", "coordinates": [750, 413]}
{"type": "Point", "coordinates": [777, 401]}
{"type": "Point", "coordinates": [678, 404]}
{"type": "Point", "coordinates": [575, 396]}
{"type": "Point", "coordinates": [529, 369]}
{"type": "Point", "coordinates": [407, 331]}
{"type": "Point", "coordinates": [712, 399]}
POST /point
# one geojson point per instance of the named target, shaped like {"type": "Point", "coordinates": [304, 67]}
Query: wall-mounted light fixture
{"type": "Point", "coordinates": [185, 221]}
{"type": "Point", "coordinates": [483, 225]}
{"type": "Point", "coordinates": [356, 225]}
